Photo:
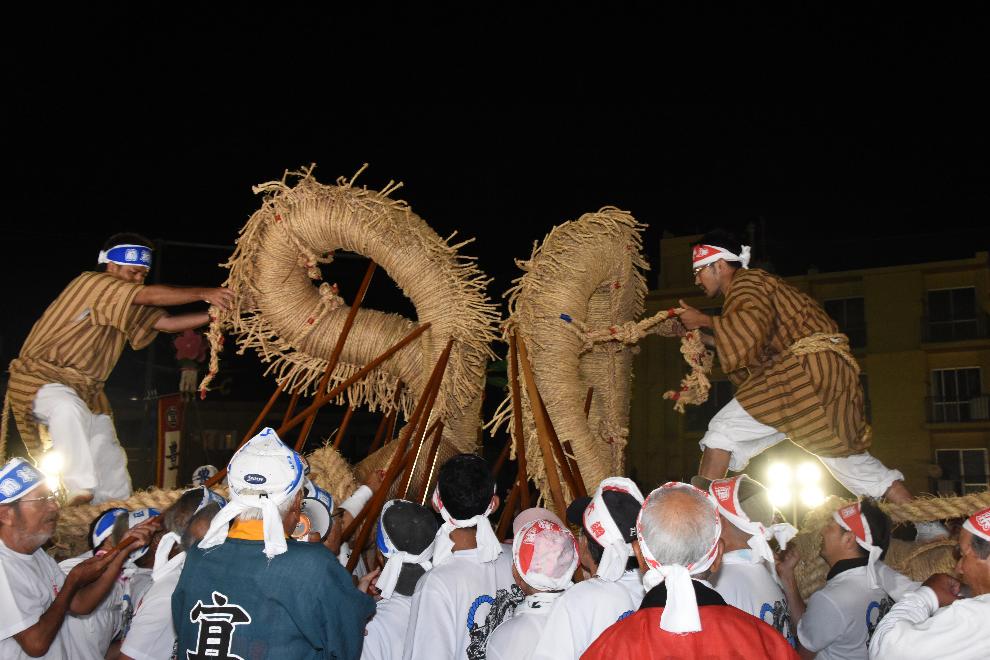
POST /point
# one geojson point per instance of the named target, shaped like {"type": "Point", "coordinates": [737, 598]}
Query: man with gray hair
{"type": "Point", "coordinates": [678, 548]}
{"type": "Point", "coordinates": [250, 592]}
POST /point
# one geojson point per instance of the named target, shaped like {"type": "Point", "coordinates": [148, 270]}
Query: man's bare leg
{"type": "Point", "coordinates": [715, 463]}
{"type": "Point", "coordinates": [898, 493]}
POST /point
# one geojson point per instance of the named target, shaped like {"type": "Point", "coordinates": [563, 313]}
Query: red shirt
{"type": "Point", "coordinates": [726, 632]}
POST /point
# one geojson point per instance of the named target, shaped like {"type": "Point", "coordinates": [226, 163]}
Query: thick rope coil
{"type": "Point", "coordinates": [694, 386]}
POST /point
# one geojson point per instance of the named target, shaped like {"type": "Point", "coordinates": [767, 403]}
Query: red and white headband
{"type": "Point", "coordinates": [851, 519]}
{"type": "Point", "coordinates": [599, 524]}
{"type": "Point", "coordinates": [488, 544]}
{"type": "Point", "coordinates": [704, 255]}
{"type": "Point", "coordinates": [726, 494]}
{"type": "Point", "coordinates": [680, 615]}
{"type": "Point", "coordinates": [545, 554]}
{"type": "Point", "coordinates": [978, 524]}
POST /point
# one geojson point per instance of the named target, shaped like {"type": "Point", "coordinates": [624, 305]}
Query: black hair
{"type": "Point", "coordinates": [596, 551]}
{"type": "Point", "coordinates": [124, 238]}
{"type": "Point", "coordinates": [187, 540]}
{"type": "Point", "coordinates": [411, 527]}
{"type": "Point", "coordinates": [879, 526]}
{"type": "Point", "coordinates": [723, 239]}
{"type": "Point", "coordinates": [981, 547]}
{"type": "Point", "coordinates": [466, 486]}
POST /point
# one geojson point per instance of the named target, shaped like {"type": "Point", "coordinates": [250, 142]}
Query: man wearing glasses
{"type": "Point", "coordinates": [793, 373]}
{"type": "Point", "coordinates": [934, 621]}
{"type": "Point", "coordinates": [40, 604]}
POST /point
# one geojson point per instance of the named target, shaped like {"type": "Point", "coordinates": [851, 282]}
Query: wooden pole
{"type": "Point", "coordinates": [575, 470]}
{"type": "Point", "coordinates": [587, 401]}
{"type": "Point", "coordinates": [421, 432]}
{"type": "Point", "coordinates": [374, 507]}
{"type": "Point", "coordinates": [292, 405]}
{"type": "Point", "coordinates": [431, 460]}
{"type": "Point", "coordinates": [542, 432]}
{"type": "Point", "coordinates": [502, 458]}
{"type": "Point", "coordinates": [517, 425]}
{"type": "Point", "coordinates": [343, 427]}
{"type": "Point", "coordinates": [558, 450]}
{"type": "Point", "coordinates": [508, 513]}
{"type": "Point", "coordinates": [386, 421]}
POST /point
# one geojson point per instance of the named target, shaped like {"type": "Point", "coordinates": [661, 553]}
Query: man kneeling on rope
{"type": "Point", "coordinates": [934, 621]}
{"type": "Point", "coordinates": [794, 376]}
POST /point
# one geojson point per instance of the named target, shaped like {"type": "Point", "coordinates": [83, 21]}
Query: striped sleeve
{"type": "Point", "coordinates": [142, 327]}
{"type": "Point", "coordinates": [743, 330]}
{"type": "Point", "coordinates": [111, 303]}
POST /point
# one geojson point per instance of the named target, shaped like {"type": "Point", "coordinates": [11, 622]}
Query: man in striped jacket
{"type": "Point", "coordinates": [793, 373]}
{"type": "Point", "coordinates": [57, 380]}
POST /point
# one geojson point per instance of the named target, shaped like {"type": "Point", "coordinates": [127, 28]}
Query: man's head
{"type": "Point", "coordinates": [715, 259]}
{"type": "Point", "coordinates": [405, 535]}
{"type": "Point", "coordinates": [973, 565]}
{"type": "Point", "coordinates": [29, 511]}
{"type": "Point", "coordinates": [126, 257]}
{"type": "Point", "coordinates": [679, 530]}
{"type": "Point", "coordinates": [265, 479]}
{"type": "Point", "coordinates": [544, 556]}
{"type": "Point", "coordinates": [622, 507]}
{"type": "Point", "coordinates": [466, 486]}
{"type": "Point", "coordinates": [142, 557]}
{"type": "Point", "coordinates": [101, 529]}
{"type": "Point", "coordinates": [748, 516]}
{"type": "Point", "coordinates": [847, 536]}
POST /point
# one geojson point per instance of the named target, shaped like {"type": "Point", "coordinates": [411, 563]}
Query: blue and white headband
{"type": "Point", "coordinates": [17, 479]}
{"type": "Point", "coordinates": [209, 497]}
{"type": "Point", "coordinates": [139, 517]}
{"type": "Point", "coordinates": [103, 528]}
{"type": "Point", "coordinates": [312, 490]}
{"type": "Point", "coordinates": [126, 255]}
{"type": "Point", "coordinates": [395, 558]}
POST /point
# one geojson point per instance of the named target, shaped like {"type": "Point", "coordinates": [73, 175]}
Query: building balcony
{"type": "Point", "coordinates": [974, 409]}
{"type": "Point", "coordinates": [939, 331]}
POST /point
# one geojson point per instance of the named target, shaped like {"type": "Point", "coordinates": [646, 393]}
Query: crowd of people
{"type": "Point", "coordinates": [685, 572]}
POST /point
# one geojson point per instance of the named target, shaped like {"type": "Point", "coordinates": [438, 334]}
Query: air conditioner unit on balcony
{"type": "Point", "coordinates": [979, 407]}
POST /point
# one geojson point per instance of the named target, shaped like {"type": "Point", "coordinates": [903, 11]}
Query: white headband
{"type": "Point", "coordinates": [704, 255]}
{"type": "Point", "coordinates": [978, 524]}
{"type": "Point", "coordinates": [263, 464]}
{"type": "Point", "coordinates": [851, 519]}
{"type": "Point", "coordinates": [599, 524]}
{"type": "Point", "coordinates": [395, 557]}
{"type": "Point", "coordinates": [680, 615]}
{"type": "Point", "coordinates": [488, 544]}
{"type": "Point", "coordinates": [541, 549]}
{"type": "Point", "coordinates": [726, 495]}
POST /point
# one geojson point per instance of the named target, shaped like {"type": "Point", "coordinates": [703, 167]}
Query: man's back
{"type": "Point", "coordinates": [726, 632]}
{"type": "Point", "coordinates": [457, 605]}
{"type": "Point", "coordinates": [233, 600]}
{"type": "Point", "coordinates": [580, 615]}
{"type": "Point", "coordinates": [750, 587]}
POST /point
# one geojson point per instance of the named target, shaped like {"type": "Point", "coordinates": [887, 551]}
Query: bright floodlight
{"type": "Point", "coordinates": [812, 496]}
{"type": "Point", "coordinates": [808, 473]}
{"type": "Point", "coordinates": [779, 495]}
{"type": "Point", "coordinates": [779, 474]}
{"type": "Point", "coordinates": [52, 464]}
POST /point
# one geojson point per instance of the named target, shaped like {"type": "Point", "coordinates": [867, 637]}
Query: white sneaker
{"type": "Point", "coordinates": [930, 531]}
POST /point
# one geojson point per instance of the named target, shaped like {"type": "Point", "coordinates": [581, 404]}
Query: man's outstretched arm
{"type": "Point", "coordinates": [163, 295]}
{"type": "Point", "coordinates": [181, 322]}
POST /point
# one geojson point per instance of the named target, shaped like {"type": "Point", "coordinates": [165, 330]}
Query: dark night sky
{"type": "Point", "coordinates": [867, 153]}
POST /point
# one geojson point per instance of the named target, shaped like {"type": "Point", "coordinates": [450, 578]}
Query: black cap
{"type": "Point", "coordinates": [622, 507]}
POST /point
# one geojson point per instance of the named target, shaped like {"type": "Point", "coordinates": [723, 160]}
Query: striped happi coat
{"type": "Point", "coordinates": [815, 399]}
{"type": "Point", "coordinates": [77, 342]}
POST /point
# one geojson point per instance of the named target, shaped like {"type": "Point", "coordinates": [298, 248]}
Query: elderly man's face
{"type": "Point", "coordinates": [972, 570]}
{"type": "Point", "coordinates": [31, 521]}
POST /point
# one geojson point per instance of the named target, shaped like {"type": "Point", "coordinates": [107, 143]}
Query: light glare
{"type": "Point", "coordinates": [808, 473]}
{"type": "Point", "coordinates": [812, 496]}
{"type": "Point", "coordinates": [52, 464]}
{"type": "Point", "coordinates": [779, 474]}
{"type": "Point", "coordinates": [779, 495]}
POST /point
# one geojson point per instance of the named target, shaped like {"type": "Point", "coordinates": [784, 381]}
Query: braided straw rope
{"type": "Point", "coordinates": [294, 325]}
{"type": "Point", "coordinates": [820, 342]}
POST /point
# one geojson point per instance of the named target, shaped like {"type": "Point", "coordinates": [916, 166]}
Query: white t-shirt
{"type": "Point", "coordinates": [457, 605]}
{"type": "Point", "coordinates": [102, 625]}
{"type": "Point", "coordinates": [841, 616]}
{"type": "Point", "coordinates": [28, 586]}
{"type": "Point", "coordinates": [633, 582]}
{"type": "Point", "coordinates": [386, 632]}
{"type": "Point", "coordinates": [152, 635]}
{"type": "Point", "coordinates": [516, 638]}
{"type": "Point", "coordinates": [750, 587]}
{"type": "Point", "coordinates": [580, 615]}
{"type": "Point", "coordinates": [916, 628]}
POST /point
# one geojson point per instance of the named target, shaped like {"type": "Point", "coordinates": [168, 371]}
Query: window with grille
{"type": "Point", "coordinates": [952, 314]}
{"type": "Point", "coordinates": [963, 470]}
{"type": "Point", "coordinates": [850, 315]}
{"type": "Point", "coordinates": [956, 395]}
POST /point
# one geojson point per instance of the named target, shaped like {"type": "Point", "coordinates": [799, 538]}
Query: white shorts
{"type": "Point", "coordinates": [94, 460]}
{"type": "Point", "coordinates": [734, 430]}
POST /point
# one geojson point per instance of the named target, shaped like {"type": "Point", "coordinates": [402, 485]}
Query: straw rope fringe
{"type": "Point", "coordinates": [293, 325]}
